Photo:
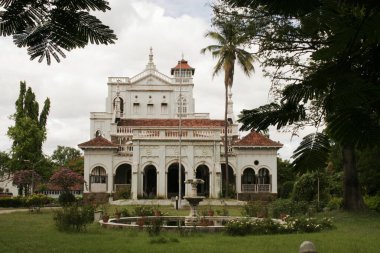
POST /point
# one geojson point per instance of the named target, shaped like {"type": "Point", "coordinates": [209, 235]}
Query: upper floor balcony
{"type": "Point", "coordinates": [169, 134]}
{"type": "Point", "coordinates": [216, 133]}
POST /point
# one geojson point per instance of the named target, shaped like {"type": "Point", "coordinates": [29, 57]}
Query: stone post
{"type": "Point", "coordinates": [307, 247]}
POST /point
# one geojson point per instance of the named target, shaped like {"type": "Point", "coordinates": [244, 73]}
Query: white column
{"type": "Point", "coordinates": [134, 187]}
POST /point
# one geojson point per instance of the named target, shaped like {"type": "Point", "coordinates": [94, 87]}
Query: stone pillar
{"type": "Point", "coordinates": [307, 247]}
{"type": "Point", "coordinates": [161, 175]}
{"type": "Point", "coordinates": [135, 183]}
{"type": "Point", "coordinates": [238, 180]}
{"type": "Point", "coordinates": [110, 179]}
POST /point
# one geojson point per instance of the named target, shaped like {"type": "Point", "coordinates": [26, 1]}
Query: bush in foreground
{"type": "Point", "coordinates": [73, 218]}
{"type": "Point", "coordinates": [268, 226]}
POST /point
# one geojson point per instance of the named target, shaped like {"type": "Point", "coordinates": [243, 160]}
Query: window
{"type": "Point", "coordinates": [248, 176]}
{"type": "Point", "coordinates": [98, 133]}
{"type": "Point", "coordinates": [136, 108]}
{"type": "Point", "coordinates": [182, 107]}
{"type": "Point", "coordinates": [264, 177]}
{"type": "Point", "coordinates": [98, 175]}
{"type": "Point", "coordinates": [150, 109]}
{"type": "Point", "coordinates": [164, 108]}
{"type": "Point", "coordinates": [121, 104]}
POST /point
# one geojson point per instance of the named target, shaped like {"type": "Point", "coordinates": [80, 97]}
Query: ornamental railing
{"type": "Point", "coordinates": [256, 188]}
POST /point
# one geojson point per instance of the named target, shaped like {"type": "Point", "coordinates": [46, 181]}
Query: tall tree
{"type": "Point", "coordinates": [48, 27]}
{"type": "Point", "coordinates": [62, 156]}
{"type": "Point", "coordinates": [322, 57]}
{"type": "Point", "coordinates": [4, 166]}
{"type": "Point", "coordinates": [29, 132]}
{"type": "Point", "coordinates": [229, 48]}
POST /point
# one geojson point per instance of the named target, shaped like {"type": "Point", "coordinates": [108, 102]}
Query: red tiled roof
{"type": "Point", "coordinates": [182, 64]}
{"type": "Point", "coordinates": [202, 123]}
{"type": "Point", "coordinates": [258, 140]}
{"type": "Point", "coordinates": [97, 142]}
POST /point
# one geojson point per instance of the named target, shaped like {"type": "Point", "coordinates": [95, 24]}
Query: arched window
{"type": "Point", "coordinates": [248, 176]}
{"type": "Point", "coordinates": [121, 105]}
{"type": "Point", "coordinates": [98, 133]}
{"type": "Point", "coordinates": [264, 177]}
{"type": "Point", "coordinates": [98, 176]}
{"type": "Point", "coordinates": [182, 106]}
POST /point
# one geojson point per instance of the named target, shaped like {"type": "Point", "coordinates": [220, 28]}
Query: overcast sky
{"type": "Point", "coordinates": [78, 85]}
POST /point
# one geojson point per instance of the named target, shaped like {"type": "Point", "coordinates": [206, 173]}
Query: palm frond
{"type": "Point", "coordinates": [279, 115]}
{"type": "Point", "coordinates": [217, 37]}
{"type": "Point", "coordinates": [354, 126]}
{"type": "Point", "coordinates": [47, 28]}
{"type": "Point", "coordinates": [94, 5]}
{"type": "Point", "coordinates": [245, 61]}
{"type": "Point", "coordinates": [19, 16]}
{"type": "Point", "coordinates": [312, 153]}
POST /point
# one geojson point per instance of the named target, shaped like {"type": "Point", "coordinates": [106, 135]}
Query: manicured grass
{"type": "Point", "coordinates": [27, 232]}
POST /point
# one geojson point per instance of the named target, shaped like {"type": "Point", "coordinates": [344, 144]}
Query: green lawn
{"type": "Point", "coordinates": [28, 232]}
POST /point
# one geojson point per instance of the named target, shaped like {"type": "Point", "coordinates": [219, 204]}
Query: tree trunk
{"type": "Point", "coordinates": [226, 139]}
{"type": "Point", "coordinates": [352, 198]}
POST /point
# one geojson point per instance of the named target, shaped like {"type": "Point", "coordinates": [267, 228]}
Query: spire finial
{"type": "Point", "coordinates": [150, 64]}
{"type": "Point", "coordinates": [182, 56]}
{"type": "Point", "coordinates": [151, 55]}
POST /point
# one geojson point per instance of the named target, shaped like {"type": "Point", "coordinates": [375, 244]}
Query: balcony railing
{"type": "Point", "coordinates": [175, 134]}
{"type": "Point", "coordinates": [126, 150]}
{"type": "Point", "coordinates": [256, 187]}
{"type": "Point", "coordinates": [124, 130]}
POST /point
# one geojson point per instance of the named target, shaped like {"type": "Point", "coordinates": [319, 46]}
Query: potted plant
{"type": "Point", "coordinates": [157, 211]}
{"type": "Point", "coordinates": [210, 211]}
{"type": "Point", "coordinates": [105, 217]}
{"type": "Point", "coordinates": [117, 214]}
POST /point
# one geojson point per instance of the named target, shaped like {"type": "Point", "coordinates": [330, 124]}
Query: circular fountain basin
{"type": "Point", "coordinates": [205, 223]}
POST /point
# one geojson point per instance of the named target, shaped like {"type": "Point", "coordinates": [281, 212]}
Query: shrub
{"type": "Point", "coordinates": [373, 202]}
{"type": "Point", "coordinates": [66, 198]}
{"type": "Point", "coordinates": [255, 208]}
{"type": "Point", "coordinates": [143, 211]}
{"type": "Point", "coordinates": [73, 218]}
{"type": "Point", "coordinates": [306, 187]}
{"type": "Point", "coordinates": [268, 226]}
{"type": "Point", "coordinates": [306, 224]}
{"type": "Point", "coordinates": [335, 203]}
{"type": "Point", "coordinates": [154, 227]}
{"type": "Point", "coordinates": [123, 193]}
{"type": "Point", "coordinates": [289, 207]}
{"type": "Point", "coordinates": [12, 202]}
{"type": "Point", "coordinates": [286, 189]}
{"type": "Point", "coordinates": [37, 200]}
{"type": "Point", "coordinates": [124, 212]}
{"type": "Point", "coordinates": [239, 226]}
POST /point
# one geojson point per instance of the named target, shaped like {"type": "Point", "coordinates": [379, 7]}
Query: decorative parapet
{"type": "Point", "coordinates": [115, 80]}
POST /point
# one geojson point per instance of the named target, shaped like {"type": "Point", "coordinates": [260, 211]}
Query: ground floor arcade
{"type": "Point", "coordinates": [149, 181]}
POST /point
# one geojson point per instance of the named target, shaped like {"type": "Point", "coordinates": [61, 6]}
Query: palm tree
{"type": "Point", "coordinates": [227, 50]}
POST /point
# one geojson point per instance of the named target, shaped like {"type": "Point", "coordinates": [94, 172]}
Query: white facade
{"type": "Point", "coordinates": [135, 144]}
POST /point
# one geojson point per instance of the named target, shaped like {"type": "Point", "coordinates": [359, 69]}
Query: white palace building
{"type": "Point", "coordinates": [135, 144]}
